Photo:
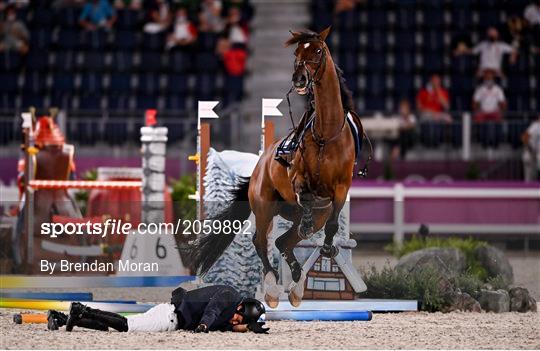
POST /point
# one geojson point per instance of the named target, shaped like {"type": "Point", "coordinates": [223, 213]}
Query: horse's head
{"type": "Point", "coordinates": [310, 58]}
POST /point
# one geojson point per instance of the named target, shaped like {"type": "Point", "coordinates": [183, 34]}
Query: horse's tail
{"type": "Point", "coordinates": [207, 249]}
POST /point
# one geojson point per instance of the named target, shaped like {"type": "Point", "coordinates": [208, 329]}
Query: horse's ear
{"type": "Point", "coordinates": [294, 38]}
{"type": "Point", "coordinates": [324, 34]}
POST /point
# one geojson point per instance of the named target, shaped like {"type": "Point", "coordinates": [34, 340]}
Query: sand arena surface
{"type": "Point", "coordinates": [386, 331]}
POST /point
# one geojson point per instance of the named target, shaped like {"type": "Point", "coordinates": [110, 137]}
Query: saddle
{"type": "Point", "coordinates": [288, 146]}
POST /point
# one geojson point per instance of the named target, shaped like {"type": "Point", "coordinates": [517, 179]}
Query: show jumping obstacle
{"type": "Point", "coordinates": [153, 140]}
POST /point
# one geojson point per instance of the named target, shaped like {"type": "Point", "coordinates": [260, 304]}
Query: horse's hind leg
{"type": "Point", "coordinates": [263, 224]}
{"type": "Point", "coordinates": [286, 244]}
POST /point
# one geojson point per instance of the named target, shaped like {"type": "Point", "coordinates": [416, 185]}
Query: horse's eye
{"type": "Point", "coordinates": [318, 51]}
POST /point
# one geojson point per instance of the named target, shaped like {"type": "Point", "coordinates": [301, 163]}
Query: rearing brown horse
{"type": "Point", "coordinates": [312, 191]}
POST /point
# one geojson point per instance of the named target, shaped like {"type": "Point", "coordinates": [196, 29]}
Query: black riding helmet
{"type": "Point", "coordinates": [251, 311]}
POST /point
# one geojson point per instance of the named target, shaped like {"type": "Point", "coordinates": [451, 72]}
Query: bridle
{"type": "Point", "coordinates": [312, 79]}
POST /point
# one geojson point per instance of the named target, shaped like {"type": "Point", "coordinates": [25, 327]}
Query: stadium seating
{"type": "Point", "coordinates": [393, 46]}
{"type": "Point", "coordinates": [408, 40]}
{"type": "Point", "coordinates": [116, 70]}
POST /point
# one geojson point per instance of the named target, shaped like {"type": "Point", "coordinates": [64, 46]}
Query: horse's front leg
{"type": "Point", "coordinates": [332, 225]}
{"type": "Point", "coordinates": [306, 201]}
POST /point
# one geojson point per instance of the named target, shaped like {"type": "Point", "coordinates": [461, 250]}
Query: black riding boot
{"type": "Point", "coordinates": [79, 312]}
{"type": "Point", "coordinates": [56, 319]}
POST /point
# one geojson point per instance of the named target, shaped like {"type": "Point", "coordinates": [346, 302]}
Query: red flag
{"type": "Point", "coordinates": [150, 117]}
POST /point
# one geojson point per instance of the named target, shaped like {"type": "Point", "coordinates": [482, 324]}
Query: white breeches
{"type": "Point", "coordinates": [157, 319]}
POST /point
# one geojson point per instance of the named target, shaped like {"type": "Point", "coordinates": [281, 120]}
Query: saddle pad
{"type": "Point", "coordinates": [356, 136]}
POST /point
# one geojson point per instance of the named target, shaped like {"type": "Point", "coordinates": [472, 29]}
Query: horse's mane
{"type": "Point", "coordinates": [346, 94]}
{"type": "Point", "coordinates": [302, 36]}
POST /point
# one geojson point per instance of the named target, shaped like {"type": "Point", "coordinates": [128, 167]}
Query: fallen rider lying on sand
{"type": "Point", "coordinates": [217, 307]}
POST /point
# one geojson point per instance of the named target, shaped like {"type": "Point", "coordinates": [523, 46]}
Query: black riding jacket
{"type": "Point", "coordinates": [212, 305]}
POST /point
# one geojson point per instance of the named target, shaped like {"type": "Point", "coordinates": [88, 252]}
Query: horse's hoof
{"type": "Point", "coordinates": [296, 271]}
{"type": "Point", "coordinates": [294, 299]}
{"type": "Point", "coordinates": [271, 301]}
{"type": "Point", "coordinates": [296, 290]}
{"type": "Point", "coordinates": [329, 252]}
{"type": "Point", "coordinates": [272, 290]}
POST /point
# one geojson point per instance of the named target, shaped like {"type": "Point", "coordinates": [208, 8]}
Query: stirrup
{"type": "Point", "coordinates": [282, 161]}
{"type": "Point", "coordinates": [286, 147]}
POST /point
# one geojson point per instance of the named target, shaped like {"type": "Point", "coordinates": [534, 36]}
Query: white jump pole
{"type": "Point", "coordinates": [268, 108]}
{"type": "Point", "coordinates": [205, 109]}
{"type": "Point", "coordinates": [29, 152]}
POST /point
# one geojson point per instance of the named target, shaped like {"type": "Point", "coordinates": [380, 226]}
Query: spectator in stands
{"type": "Point", "coordinates": [128, 4]}
{"type": "Point", "coordinates": [489, 101]}
{"type": "Point", "coordinates": [60, 4]}
{"type": "Point", "coordinates": [532, 16]}
{"type": "Point", "coordinates": [210, 16]}
{"type": "Point", "coordinates": [232, 44]}
{"type": "Point", "coordinates": [184, 32]}
{"type": "Point", "coordinates": [246, 9]}
{"type": "Point", "coordinates": [532, 13]}
{"type": "Point", "coordinates": [514, 32]}
{"type": "Point", "coordinates": [97, 14]}
{"type": "Point", "coordinates": [433, 101]}
{"type": "Point", "coordinates": [232, 48]}
{"type": "Point", "coordinates": [234, 58]}
{"type": "Point", "coordinates": [407, 131]}
{"type": "Point", "coordinates": [14, 35]}
{"type": "Point", "coordinates": [236, 30]}
{"type": "Point", "coordinates": [491, 52]}
{"type": "Point", "coordinates": [159, 17]}
{"type": "Point", "coordinates": [531, 154]}
{"type": "Point", "coordinates": [345, 5]}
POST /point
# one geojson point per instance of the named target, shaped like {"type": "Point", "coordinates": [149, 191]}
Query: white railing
{"type": "Point", "coordinates": [400, 193]}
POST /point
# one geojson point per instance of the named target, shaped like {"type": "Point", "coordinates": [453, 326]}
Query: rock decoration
{"type": "Point", "coordinates": [495, 263]}
{"type": "Point", "coordinates": [494, 301]}
{"type": "Point", "coordinates": [463, 302]}
{"type": "Point", "coordinates": [521, 300]}
{"type": "Point", "coordinates": [449, 263]}
{"type": "Point", "coordinates": [446, 261]}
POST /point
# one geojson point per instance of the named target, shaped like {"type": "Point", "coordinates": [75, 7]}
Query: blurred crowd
{"type": "Point", "coordinates": [183, 22]}
{"type": "Point", "coordinates": [502, 42]}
